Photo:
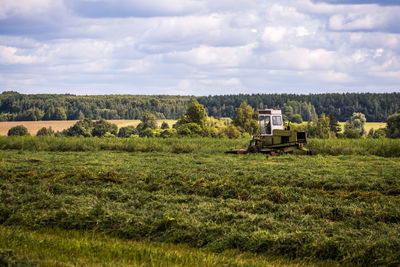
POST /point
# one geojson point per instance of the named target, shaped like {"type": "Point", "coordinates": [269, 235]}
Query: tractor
{"type": "Point", "coordinates": [274, 138]}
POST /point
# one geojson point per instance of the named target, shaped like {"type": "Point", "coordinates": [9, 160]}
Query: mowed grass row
{"type": "Point", "coordinates": [344, 209]}
{"type": "Point", "coordinates": [378, 147]}
{"type": "Point", "coordinates": [58, 247]}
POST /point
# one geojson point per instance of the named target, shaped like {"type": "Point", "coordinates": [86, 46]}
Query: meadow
{"type": "Point", "coordinates": [174, 202]}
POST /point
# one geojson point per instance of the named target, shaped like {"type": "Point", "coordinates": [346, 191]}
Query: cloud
{"type": "Point", "coordinates": [13, 55]}
{"type": "Point", "coordinates": [360, 2]}
{"type": "Point", "coordinates": [133, 8]}
{"type": "Point", "coordinates": [194, 47]}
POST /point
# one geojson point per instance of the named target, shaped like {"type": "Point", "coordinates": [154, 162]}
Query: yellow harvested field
{"type": "Point", "coordinates": [34, 126]}
{"type": "Point", "coordinates": [368, 125]}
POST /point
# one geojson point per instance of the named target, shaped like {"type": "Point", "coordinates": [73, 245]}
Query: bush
{"type": "Point", "coordinates": [146, 133]}
{"type": "Point", "coordinates": [393, 126]}
{"type": "Point", "coordinates": [45, 132]}
{"type": "Point", "coordinates": [189, 129]}
{"type": "Point", "coordinates": [82, 128]}
{"type": "Point", "coordinates": [164, 125]}
{"type": "Point", "coordinates": [351, 133]}
{"type": "Point", "coordinates": [19, 130]}
{"type": "Point", "coordinates": [230, 131]}
{"type": "Point", "coordinates": [377, 134]}
{"type": "Point", "coordinates": [167, 133]}
{"type": "Point", "coordinates": [101, 127]}
{"type": "Point", "coordinates": [127, 131]}
{"type": "Point", "coordinates": [148, 121]}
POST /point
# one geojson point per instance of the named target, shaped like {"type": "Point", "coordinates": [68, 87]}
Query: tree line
{"type": "Point", "coordinates": [196, 122]}
{"type": "Point", "coordinates": [296, 108]}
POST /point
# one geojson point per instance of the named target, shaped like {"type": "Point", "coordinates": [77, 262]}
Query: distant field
{"type": "Point", "coordinates": [368, 125]}
{"type": "Point", "coordinates": [34, 126]}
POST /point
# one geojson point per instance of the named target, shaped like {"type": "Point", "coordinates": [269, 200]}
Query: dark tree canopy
{"type": "Point", "coordinates": [393, 126]}
{"type": "Point", "coordinates": [127, 131]}
{"type": "Point", "coordinates": [19, 130]}
{"type": "Point", "coordinates": [20, 107]}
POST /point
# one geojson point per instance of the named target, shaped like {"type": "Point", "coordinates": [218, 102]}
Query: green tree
{"type": "Point", "coordinates": [45, 132]}
{"type": "Point", "coordinates": [393, 126]}
{"type": "Point", "coordinates": [19, 130]}
{"type": "Point", "coordinates": [59, 114]}
{"type": "Point", "coordinates": [148, 121]}
{"type": "Point", "coordinates": [195, 113]}
{"type": "Point", "coordinates": [80, 128]}
{"type": "Point", "coordinates": [246, 119]}
{"type": "Point", "coordinates": [102, 127]}
{"type": "Point", "coordinates": [355, 123]}
{"type": "Point", "coordinates": [334, 124]}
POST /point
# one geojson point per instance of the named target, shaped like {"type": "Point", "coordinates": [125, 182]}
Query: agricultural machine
{"type": "Point", "coordinates": [274, 138]}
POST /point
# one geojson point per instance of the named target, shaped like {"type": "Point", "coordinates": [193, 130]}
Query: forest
{"type": "Point", "coordinates": [34, 107]}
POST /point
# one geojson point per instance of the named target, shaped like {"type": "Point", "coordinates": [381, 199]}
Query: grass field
{"type": "Point", "coordinates": [34, 126]}
{"type": "Point", "coordinates": [216, 208]}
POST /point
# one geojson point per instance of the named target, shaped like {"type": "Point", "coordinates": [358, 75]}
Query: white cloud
{"type": "Point", "coordinates": [189, 45]}
{"type": "Point", "coordinates": [27, 7]}
{"type": "Point", "coordinates": [273, 34]}
{"type": "Point", "coordinates": [216, 56]}
{"type": "Point", "coordinates": [13, 55]}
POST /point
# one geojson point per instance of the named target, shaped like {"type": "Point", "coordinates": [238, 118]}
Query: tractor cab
{"type": "Point", "coordinates": [269, 120]}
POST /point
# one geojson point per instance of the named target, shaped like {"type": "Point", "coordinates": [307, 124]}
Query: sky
{"type": "Point", "coordinates": [199, 47]}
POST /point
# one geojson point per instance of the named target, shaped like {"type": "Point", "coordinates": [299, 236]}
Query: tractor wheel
{"type": "Point", "coordinates": [253, 149]}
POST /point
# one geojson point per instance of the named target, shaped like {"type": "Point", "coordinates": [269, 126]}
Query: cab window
{"type": "Point", "coordinates": [277, 120]}
{"type": "Point", "coordinates": [265, 125]}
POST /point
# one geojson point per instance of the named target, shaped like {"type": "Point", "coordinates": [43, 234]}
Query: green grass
{"type": "Point", "coordinates": [335, 209]}
{"type": "Point", "coordinates": [378, 147]}
{"type": "Point", "coordinates": [52, 247]}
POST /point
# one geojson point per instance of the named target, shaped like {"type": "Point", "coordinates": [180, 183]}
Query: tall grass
{"type": "Point", "coordinates": [56, 247]}
{"type": "Point", "coordinates": [379, 147]}
{"type": "Point", "coordinates": [174, 145]}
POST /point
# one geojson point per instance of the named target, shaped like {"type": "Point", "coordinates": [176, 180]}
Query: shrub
{"type": "Point", "coordinates": [230, 131]}
{"type": "Point", "coordinates": [101, 127]}
{"type": "Point", "coordinates": [146, 133]}
{"type": "Point", "coordinates": [351, 133]}
{"type": "Point", "coordinates": [148, 121]}
{"type": "Point", "coordinates": [393, 126]}
{"type": "Point", "coordinates": [165, 125]}
{"type": "Point", "coordinates": [189, 129]}
{"type": "Point", "coordinates": [45, 132]}
{"type": "Point", "coordinates": [377, 134]}
{"type": "Point", "coordinates": [167, 133]}
{"type": "Point", "coordinates": [19, 130]}
{"type": "Point", "coordinates": [127, 131]}
{"type": "Point", "coordinates": [81, 128]}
